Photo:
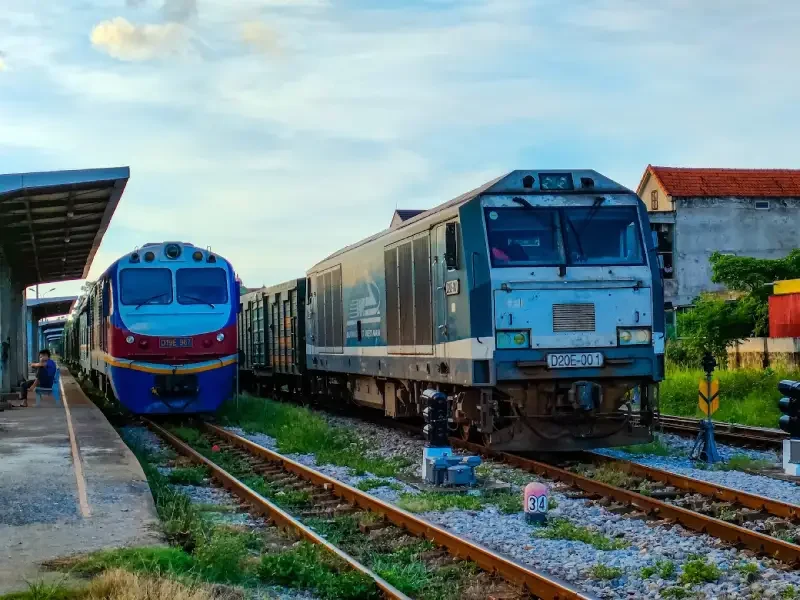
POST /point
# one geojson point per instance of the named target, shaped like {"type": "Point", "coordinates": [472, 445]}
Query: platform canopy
{"type": "Point", "coordinates": [43, 308]}
{"type": "Point", "coordinates": [52, 223]}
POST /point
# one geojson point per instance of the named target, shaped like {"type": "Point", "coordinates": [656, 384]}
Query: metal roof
{"type": "Point", "coordinates": [43, 308]}
{"type": "Point", "coordinates": [519, 181]}
{"type": "Point", "coordinates": [52, 223]}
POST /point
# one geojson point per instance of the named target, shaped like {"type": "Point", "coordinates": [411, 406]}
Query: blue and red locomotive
{"type": "Point", "coordinates": [158, 328]}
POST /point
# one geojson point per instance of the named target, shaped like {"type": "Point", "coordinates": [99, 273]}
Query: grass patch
{"type": "Point", "coordinates": [611, 474]}
{"type": "Point", "coordinates": [188, 475]}
{"type": "Point", "coordinates": [749, 571]}
{"type": "Point", "coordinates": [215, 508]}
{"type": "Point", "coordinates": [40, 590]}
{"type": "Point", "coordinates": [697, 570]}
{"type": "Point", "coordinates": [309, 567]}
{"type": "Point", "coordinates": [664, 568]}
{"type": "Point", "coordinates": [436, 501]}
{"type": "Point", "coordinates": [655, 448]}
{"type": "Point", "coordinates": [605, 572]}
{"type": "Point", "coordinates": [675, 592]}
{"type": "Point", "coordinates": [220, 557]}
{"type": "Point", "coordinates": [297, 429]}
{"type": "Point", "coordinates": [563, 529]}
{"type": "Point", "coordinates": [747, 396]}
{"type": "Point", "coordinates": [742, 462]}
{"type": "Point", "coordinates": [157, 560]}
{"type": "Point", "coordinates": [403, 567]}
{"type": "Point", "coordinates": [789, 592]}
{"type": "Point", "coordinates": [371, 483]}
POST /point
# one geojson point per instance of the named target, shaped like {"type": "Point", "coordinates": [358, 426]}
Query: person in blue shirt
{"type": "Point", "coordinates": [45, 374]}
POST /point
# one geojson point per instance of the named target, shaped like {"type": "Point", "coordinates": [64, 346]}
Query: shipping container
{"type": "Point", "coordinates": [784, 316]}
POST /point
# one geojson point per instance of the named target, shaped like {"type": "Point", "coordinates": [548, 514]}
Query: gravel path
{"type": "Point", "coordinates": [647, 541]}
{"type": "Point", "coordinates": [770, 487]}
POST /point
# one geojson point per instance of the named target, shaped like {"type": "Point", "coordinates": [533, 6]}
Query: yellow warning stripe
{"type": "Point", "coordinates": [83, 497]}
{"type": "Point", "coordinates": [169, 369]}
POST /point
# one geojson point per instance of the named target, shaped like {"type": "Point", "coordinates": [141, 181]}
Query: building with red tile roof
{"type": "Point", "coordinates": [696, 211]}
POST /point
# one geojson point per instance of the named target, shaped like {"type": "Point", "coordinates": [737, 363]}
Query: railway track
{"type": "Point", "coordinates": [741, 435]}
{"type": "Point", "coordinates": [334, 497]}
{"type": "Point", "coordinates": [757, 523]}
{"type": "Point", "coordinates": [691, 511]}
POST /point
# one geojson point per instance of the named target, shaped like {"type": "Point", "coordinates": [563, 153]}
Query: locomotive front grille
{"type": "Point", "coordinates": [573, 317]}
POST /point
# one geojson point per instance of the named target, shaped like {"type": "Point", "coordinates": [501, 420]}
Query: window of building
{"type": "Point", "coordinates": [762, 204]}
{"type": "Point", "coordinates": [654, 200]}
{"type": "Point", "coordinates": [664, 232]}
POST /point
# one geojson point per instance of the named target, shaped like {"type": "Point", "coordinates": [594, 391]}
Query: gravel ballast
{"type": "Point", "coordinates": [761, 485]}
{"type": "Point", "coordinates": [648, 542]}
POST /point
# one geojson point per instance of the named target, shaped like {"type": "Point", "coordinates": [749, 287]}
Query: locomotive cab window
{"type": "Point", "coordinates": [201, 286]}
{"type": "Point", "coordinates": [145, 286]}
{"type": "Point", "coordinates": [603, 236]}
{"type": "Point", "coordinates": [524, 237]}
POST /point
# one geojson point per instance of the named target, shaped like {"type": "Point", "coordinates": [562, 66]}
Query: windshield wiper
{"type": "Point", "coordinates": [200, 300]}
{"type": "Point", "coordinates": [522, 201]}
{"type": "Point", "coordinates": [150, 299]}
{"type": "Point", "coordinates": [598, 202]}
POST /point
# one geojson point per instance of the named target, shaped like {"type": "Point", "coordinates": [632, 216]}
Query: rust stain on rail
{"type": "Point", "coordinates": [273, 512]}
{"type": "Point", "coordinates": [537, 583]}
{"type": "Point", "coordinates": [764, 544]}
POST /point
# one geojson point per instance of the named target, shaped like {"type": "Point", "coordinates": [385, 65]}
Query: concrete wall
{"type": "Point", "coordinates": [703, 225]}
{"type": "Point", "coordinates": [13, 328]}
{"type": "Point", "coordinates": [757, 353]}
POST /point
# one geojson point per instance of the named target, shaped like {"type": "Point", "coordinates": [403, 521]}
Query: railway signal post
{"type": "Point", "coordinates": [705, 447]}
{"type": "Point", "coordinates": [439, 466]}
{"type": "Point", "coordinates": [789, 405]}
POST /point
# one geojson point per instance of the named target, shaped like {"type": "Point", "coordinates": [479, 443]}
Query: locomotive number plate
{"type": "Point", "coordinates": [577, 360]}
{"type": "Point", "coordinates": [175, 342]}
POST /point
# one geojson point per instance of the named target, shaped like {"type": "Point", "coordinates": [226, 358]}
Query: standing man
{"type": "Point", "coordinates": [45, 374]}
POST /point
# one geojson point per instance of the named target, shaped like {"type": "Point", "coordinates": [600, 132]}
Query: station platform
{"type": "Point", "coordinates": [68, 485]}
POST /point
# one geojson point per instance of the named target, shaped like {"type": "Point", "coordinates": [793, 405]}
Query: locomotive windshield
{"type": "Point", "coordinates": [145, 286]}
{"type": "Point", "coordinates": [201, 286]}
{"type": "Point", "coordinates": [574, 236]}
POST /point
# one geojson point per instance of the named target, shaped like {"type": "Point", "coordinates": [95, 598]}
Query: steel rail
{"type": "Point", "coordinates": [714, 490]}
{"type": "Point", "coordinates": [537, 583]}
{"type": "Point", "coordinates": [273, 512]}
{"type": "Point", "coordinates": [734, 534]}
{"type": "Point", "coordinates": [727, 432]}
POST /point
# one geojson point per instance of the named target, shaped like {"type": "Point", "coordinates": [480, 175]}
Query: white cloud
{"type": "Point", "coordinates": [276, 163]}
{"type": "Point", "coordinates": [260, 37]}
{"type": "Point", "coordinates": [123, 40]}
{"type": "Point", "coordinates": [3, 66]}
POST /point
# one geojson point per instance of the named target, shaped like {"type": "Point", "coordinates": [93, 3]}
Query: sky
{"type": "Point", "coordinates": [278, 131]}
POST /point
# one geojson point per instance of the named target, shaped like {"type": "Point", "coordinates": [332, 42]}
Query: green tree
{"type": "Point", "coordinates": [711, 326]}
{"type": "Point", "coordinates": [752, 277]}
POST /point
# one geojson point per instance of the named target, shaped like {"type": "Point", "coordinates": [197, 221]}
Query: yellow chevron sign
{"type": "Point", "coordinates": [708, 401]}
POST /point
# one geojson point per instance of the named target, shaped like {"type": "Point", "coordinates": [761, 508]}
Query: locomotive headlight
{"type": "Point", "coordinates": [513, 339]}
{"type": "Point", "coordinates": [634, 336]}
{"type": "Point", "coordinates": [220, 337]}
{"type": "Point", "coordinates": [129, 339]}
